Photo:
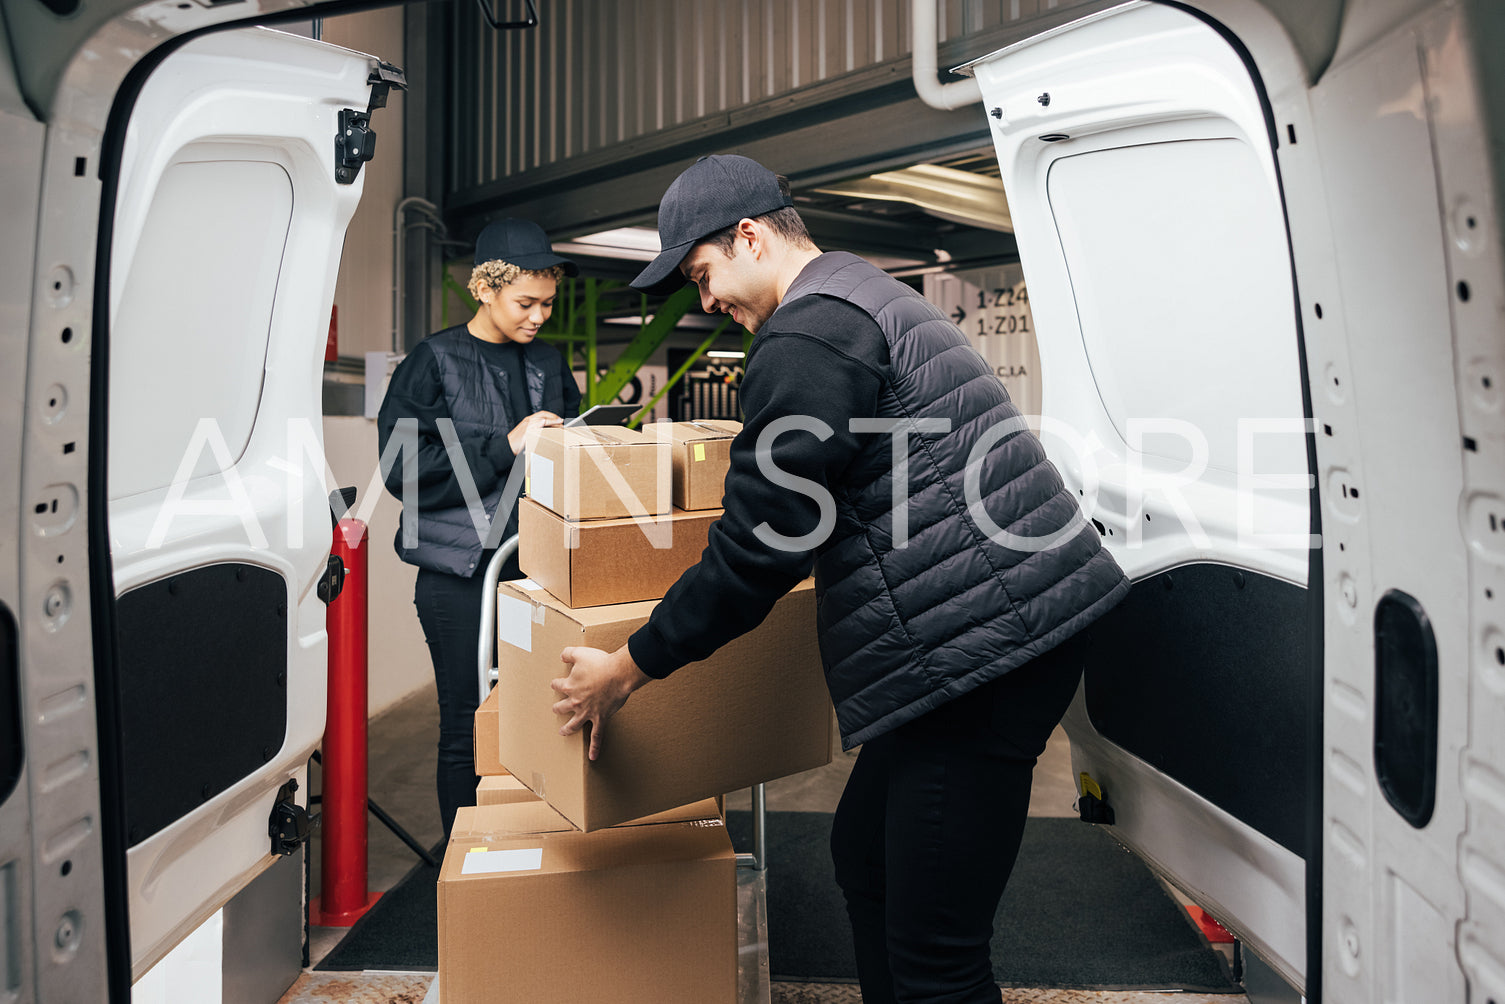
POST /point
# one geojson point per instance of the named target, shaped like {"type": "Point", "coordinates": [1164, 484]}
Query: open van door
{"type": "Point", "coordinates": [1295, 716]}
{"type": "Point", "coordinates": [1138, 164]}
{"type": "Point", "coordinates": [238, 174]}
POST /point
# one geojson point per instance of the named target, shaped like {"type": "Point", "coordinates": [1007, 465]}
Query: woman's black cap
{"type": "Point", "coordinates": [522, 243]}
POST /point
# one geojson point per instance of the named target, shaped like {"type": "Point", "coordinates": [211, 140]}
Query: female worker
{"type": "Point", "coordinates": [470, 395]}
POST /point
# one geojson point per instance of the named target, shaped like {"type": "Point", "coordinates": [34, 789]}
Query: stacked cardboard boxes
{"type": "Point", "coordinates": [613, 879]}
{"type": "Point", "coordinates": [598, 527]}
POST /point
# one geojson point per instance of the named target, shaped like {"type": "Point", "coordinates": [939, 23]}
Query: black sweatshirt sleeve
{"type": "Point", "coordinates": [416, 394]}
{"type": "Point", "coordinates": [743, 572]}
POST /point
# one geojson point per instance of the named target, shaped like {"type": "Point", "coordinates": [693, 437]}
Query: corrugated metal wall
{"type": "Point", "coordinates": [602, 73]}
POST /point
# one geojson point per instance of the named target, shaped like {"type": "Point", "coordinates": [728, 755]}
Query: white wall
{"type": "Point", "coordinates": [399, 662]}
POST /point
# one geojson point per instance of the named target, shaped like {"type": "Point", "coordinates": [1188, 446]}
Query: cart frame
{"type": "Point", "coordinates": [487, 674]}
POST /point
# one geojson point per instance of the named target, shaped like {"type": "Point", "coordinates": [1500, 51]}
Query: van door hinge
{"type": "Point", "coordinates": [355, 143]}
{"type": "Point", "coordinates": [289, 826]}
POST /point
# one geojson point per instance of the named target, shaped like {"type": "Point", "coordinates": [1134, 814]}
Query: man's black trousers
{"type": "Point", "coordinates": [928, 829]}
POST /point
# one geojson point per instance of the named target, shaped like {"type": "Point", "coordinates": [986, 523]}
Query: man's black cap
{"type": "Point", "coordinates": [712, 194]}
{"type": "Point", "coordinates": [522, 243]}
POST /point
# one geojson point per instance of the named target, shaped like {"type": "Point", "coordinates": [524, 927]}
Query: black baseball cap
{"type": "Point", "coordinates": [712, 194]}
{"type": "Point", "coordinates": [522, 243]}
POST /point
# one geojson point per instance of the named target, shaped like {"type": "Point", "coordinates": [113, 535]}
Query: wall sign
{"type": "Point", "coordinates": [991, 306]}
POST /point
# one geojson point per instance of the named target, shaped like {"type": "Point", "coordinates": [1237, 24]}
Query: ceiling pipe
{"type": "Point", "coordinates": [924, 63]}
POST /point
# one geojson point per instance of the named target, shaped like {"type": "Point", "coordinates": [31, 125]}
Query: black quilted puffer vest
{"type": "Point", "coordinates": [478, 403]}
{"type": "Point", "coordinates": [906, 628]}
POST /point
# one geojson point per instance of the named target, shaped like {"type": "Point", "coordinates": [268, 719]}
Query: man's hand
{"type": "Point", "coordinates": [597, 687]}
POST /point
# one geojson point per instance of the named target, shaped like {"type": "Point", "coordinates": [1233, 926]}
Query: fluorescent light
{"type": "Point", "coordinates": [626, 243]}
{"type": "Point", "coordinates": [718, 354]}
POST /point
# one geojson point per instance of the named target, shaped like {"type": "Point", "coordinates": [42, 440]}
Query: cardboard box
{"type": "Point", "coordinates": [599, 472]}
{"type": "Point", "coordinates": [508, 790]}
{"type": "Point", "coordinates": [702, 455]}
{"type": "Point", "coordinates": [533, 911]}
{"type": "Point", "coordinates": [756, 710]}
{"type": "Point", "coordinates": [502, 789]}
{"type": "Point", "coordinates": [498, 787]}
{"type": "Point", "coordinates": [485, 731]}
{"type": "Point", "coordinates": [599, 561]}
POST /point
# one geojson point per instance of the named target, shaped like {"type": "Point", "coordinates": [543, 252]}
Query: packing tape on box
{"type": "Point", "coordinates": [538, 786]}
{"type": "Point", "coordinates": [482, 861]}
{"type": "Point", "coordinates": [514, 622]}
{"type": "Point", "coordinates": [713, 427]}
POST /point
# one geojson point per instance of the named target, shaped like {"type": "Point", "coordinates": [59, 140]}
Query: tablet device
{"type": "Point", "coordinates": [605, 414]}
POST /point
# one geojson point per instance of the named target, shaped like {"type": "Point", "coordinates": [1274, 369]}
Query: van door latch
{"type": "Point", "coordinates": [332, 582]}
{"type": "Point", "coordinates": [355, 143]}
{"type": "Point", "coordinates": [289, 826]}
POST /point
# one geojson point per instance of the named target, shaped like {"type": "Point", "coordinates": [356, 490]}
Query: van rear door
{"type": "Point", "coordinates": [230, 212]}
{"type": "Point", "coordinates": [1138, 165]}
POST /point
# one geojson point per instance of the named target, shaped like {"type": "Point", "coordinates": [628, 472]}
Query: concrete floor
{"type": "Point", "coordinates": [401, 781]}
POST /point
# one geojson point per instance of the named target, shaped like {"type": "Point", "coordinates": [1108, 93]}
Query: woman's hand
{"type": "Point", "coordinates": [597, 687]}
{"type": "Point", "coordinates": [525, 430]}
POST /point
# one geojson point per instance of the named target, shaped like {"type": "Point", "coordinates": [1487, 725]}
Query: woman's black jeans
{"type": "Point", "coordinates": [928, 829]}
{"type": "Point", "coordinates": [449, 608]}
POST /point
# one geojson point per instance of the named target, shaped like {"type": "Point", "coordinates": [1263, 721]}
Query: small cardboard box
{"type": "Point", "coordinates": [754, 711]}
{"type": "Point", "coordinates": [600, 561]}
{"type": "Point", "coordinates": [533, 911]}
{"type": "Point", "coordinates": [702, 455]}
{"type": "Point", "coordinates": [599, 472]}
{"type": "Point", "coordinates": [484, 729]}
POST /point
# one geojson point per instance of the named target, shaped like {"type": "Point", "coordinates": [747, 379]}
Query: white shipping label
{"type": "Point", "coordinates": [526, 859]}
{"type": "Point", "coordinates": [541, 480]}
{"type": "Point", "coordinates": [514, 622]}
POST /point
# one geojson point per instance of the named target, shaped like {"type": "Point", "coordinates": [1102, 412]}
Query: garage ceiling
{"type": "Point", "coordinates": [906, 228]}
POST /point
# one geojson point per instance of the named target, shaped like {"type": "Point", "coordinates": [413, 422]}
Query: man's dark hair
{"type": "Point", "coordinates": [785, 222]}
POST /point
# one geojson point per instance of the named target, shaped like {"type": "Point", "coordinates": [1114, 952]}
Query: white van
{"type": "Point", "coordinates": [1262, 242]}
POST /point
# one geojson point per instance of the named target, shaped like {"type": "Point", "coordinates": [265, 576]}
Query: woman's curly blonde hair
{"type": "Point", "coordinates": [496, 274]}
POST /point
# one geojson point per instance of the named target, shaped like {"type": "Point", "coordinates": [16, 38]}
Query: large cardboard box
{"type": "Point", "coordinates": [597, 561]}
{"type": "Point", "coordinates": [535, 912]}
{"type": "Point", "coordinates": [756, 710]}
{"type": "Point", "coordinates": [702, 454]}
{"type": "Point", "coordinates": [599, 472]}
{"type": "Point", "coordinates": [484, 728]}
